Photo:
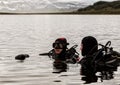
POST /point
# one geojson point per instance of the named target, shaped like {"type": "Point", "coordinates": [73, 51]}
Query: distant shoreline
{"type": "Point", "coordinates": [63, 13]}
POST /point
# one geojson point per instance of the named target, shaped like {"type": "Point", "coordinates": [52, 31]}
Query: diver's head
{"type": "Point", "coordinates": [89, 45]}
{"type": "Point", "coordinates": [60, 44]}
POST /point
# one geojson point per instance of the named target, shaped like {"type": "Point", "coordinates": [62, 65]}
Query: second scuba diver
{"type": "Point", "coordinates": [62, 55]}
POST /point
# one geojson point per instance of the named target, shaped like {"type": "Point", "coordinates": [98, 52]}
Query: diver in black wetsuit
{"type": "Point", "coordinates": [59, 53]}
{"type": "Point", "coordinates": [104, 60]}
{"type": "Point", "coordinates": [62, 55]}
{"type": "Point", "coordinates": [89, 46]}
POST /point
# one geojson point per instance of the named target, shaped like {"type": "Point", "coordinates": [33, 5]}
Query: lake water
{"type": "Point", "coordinates": [34, 34]}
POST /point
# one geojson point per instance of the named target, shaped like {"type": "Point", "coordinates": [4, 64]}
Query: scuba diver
{"type": "Point", "coordinates": [104, 60]}
{"type": "Point", "coordinates": [89, 46]}
{"type": "Point", "coordinates": [62, 55]}
{"type": "Point", "coordinates": [59, 54]}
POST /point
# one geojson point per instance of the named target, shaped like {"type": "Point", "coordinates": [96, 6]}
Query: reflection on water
{"type": "Point", "coordinates": [34, 34]}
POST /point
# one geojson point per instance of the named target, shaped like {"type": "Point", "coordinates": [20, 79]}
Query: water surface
{"type": "Point", "coordinates": [34, 34]}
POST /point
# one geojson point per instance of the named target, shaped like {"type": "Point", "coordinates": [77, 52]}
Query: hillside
{"type": "Point", "coordinates": [101, 7]}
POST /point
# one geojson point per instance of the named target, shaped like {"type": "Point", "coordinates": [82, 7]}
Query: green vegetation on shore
{"type": "Point", "coordinates": [101, 7]}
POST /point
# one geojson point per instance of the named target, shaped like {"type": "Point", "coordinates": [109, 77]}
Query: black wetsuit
{"type": "Point", "coordinates": [88, 70]}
